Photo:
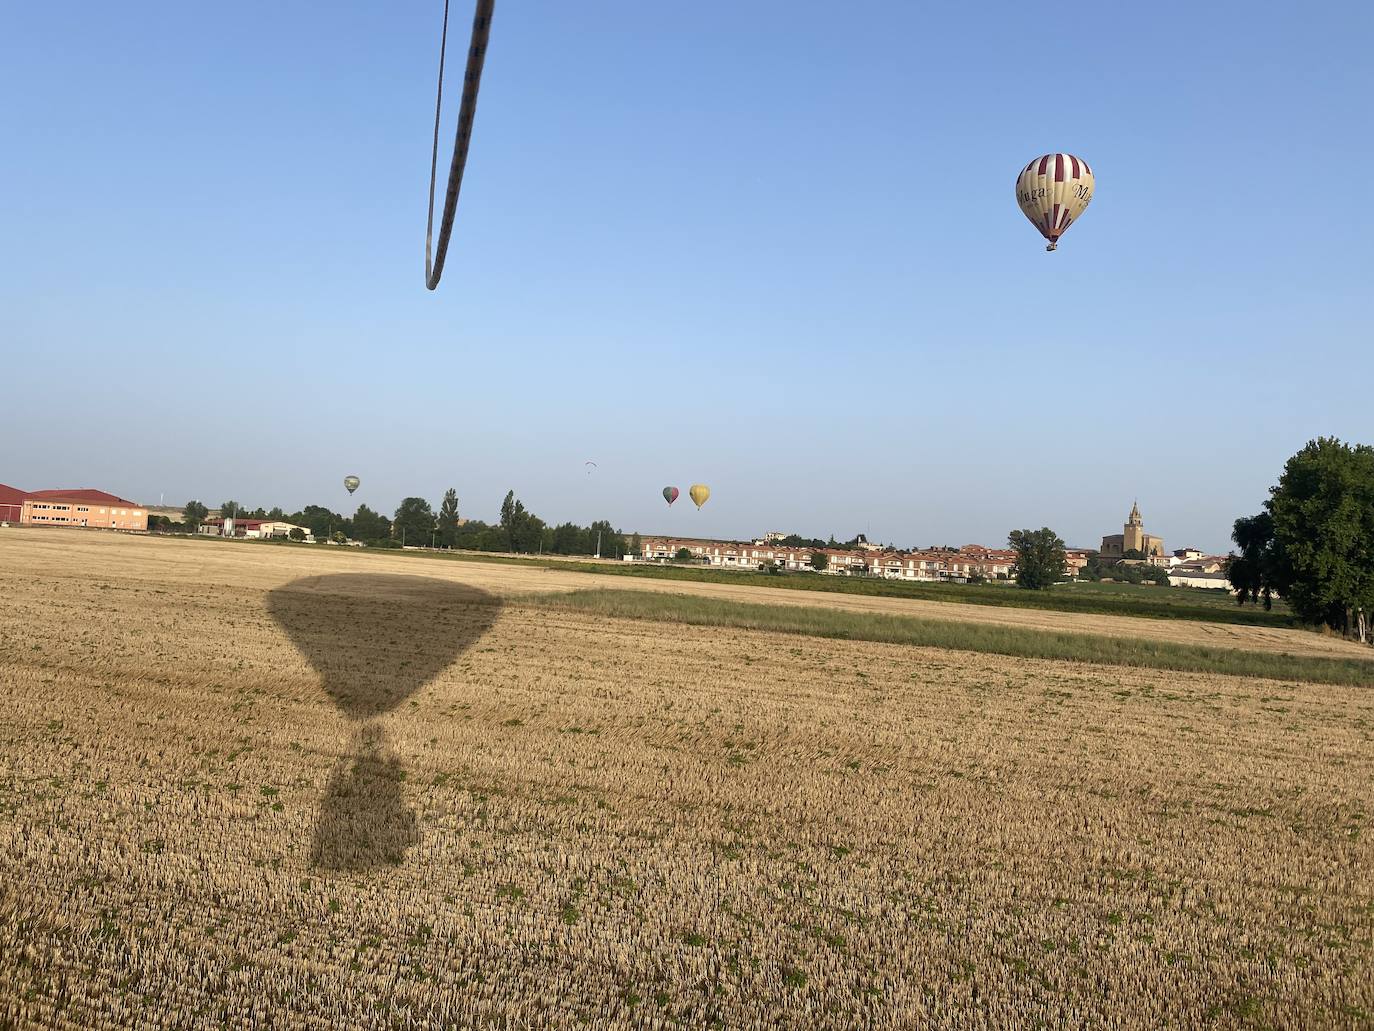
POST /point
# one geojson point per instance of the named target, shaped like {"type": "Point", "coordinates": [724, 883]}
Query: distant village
{"type": "Point", "coordinates": [1184, 567]}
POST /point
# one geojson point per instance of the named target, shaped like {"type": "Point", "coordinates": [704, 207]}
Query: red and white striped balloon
{"type": "Point", "coordinates": [1053, 191]}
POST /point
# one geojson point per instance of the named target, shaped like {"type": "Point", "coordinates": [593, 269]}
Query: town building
{"type": "Point", "coordinates": [253, 529]}
{"type": "Point", "coordinates": [1214, 581]}
{"type": "Point", "coordinates": [928, 566]}
{"type": "Point", "coordinates": [1134, 539]}
{"type": "Point", "coordinates": [77, 506]}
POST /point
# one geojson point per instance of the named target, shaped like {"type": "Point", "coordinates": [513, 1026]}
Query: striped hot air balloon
{"type": "Point", "coordinates": [1053, 191]}
{"type": "Point", "coordinates": [670, 494]}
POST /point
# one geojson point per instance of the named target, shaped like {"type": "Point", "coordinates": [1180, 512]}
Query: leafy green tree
{"type": "Point", "coordinates": [636, 544]}
{"type": "Point", "coordinates": [193, 514]}
{"type": "Point", "coordinates": [297, 534]}
{"type": "Point", "coordinates": [1040, 558]}
{"type": "Point", "coordinates": [229, 509]}
{"type": "Point", "coordinates": [820, 561]}
{"type": "Point", "coordinates": [276, 514]}
{"type": "Point", "coordinates": [1251, 573]}
{"type": "Point", "coordinates": [512, 514]}
{"type": "Point", "coordinates": [1133, 553]}
{"type": "Point", "coordinates": [370, 526]}
{"type": "Point", "coordinates": [683, 555]}
{"type": "Point", "coordinates": [1322, 556]}
{"type": "Point", "coordinates": [567, 539]}
{"type": "Point", "coordinates": [322, 521]}
{"type": "Point", "coordinates": [413, 523]}
{"type": "Point", "coordinates": [448, 518]}
{"type": "Point", "coordinates": [611, 541]}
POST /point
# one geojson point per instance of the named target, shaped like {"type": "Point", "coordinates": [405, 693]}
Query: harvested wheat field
{"type": "Point", "coordinates": [246, 785]}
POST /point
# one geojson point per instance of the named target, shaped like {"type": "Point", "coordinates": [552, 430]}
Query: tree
{"type": "Point", "coordinates": [228, 509]}
{"type": "Point", "coordinates": [636, 544]}
{"type": "Point", "coordinates": [511, 513]}
{"type": "Point", "coordinates": [820, 561]}
{"type": "Point", "coordinates": [1040, 558]}
{"type": "Point", "coordinates": [414, 521]}
{"type": "Point", "coordinates": [276, 514]}
{"type": "Point", "coordinates": [1251, 573]}
{"type": "Point", "coordinates": [1133, 553]}
{"type": "Point", "coordinates": [370, 526]}
{"type": "Point", "coordinates": [448, 518]}
{"type": "Point", "coordinates": [683, 555]}
{"type": "Point", "coordinates": [322, 521]}
{"type": "Point", "coordinates": [1322, 556]}
{"type": "Point", "coordinates": [296, 534]}
{"type": "Point", "coordinates": [193, 515]}
{"type": "Point", "coordinates": [603, 537]}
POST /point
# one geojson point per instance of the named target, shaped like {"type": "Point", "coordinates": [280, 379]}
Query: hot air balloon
{"type": "Point", "coordinates": [352, 483]}
{"type": "Point", "coordinates": [1053, 191]}
{"type": "Point", "coordinates": [670, 494]}
{"type": "Point", "coordinates": [699, 492]}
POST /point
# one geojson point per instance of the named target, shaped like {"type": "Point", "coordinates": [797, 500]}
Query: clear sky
{"type": "Point", "coordinates": [770, 245]}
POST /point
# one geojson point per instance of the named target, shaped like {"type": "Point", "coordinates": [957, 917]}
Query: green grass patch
{"type": "Point", "coordinates": [1021, 642]}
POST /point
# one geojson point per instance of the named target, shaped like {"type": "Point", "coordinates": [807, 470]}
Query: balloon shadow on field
{"type": "Point", "coordinates": [375, 640]}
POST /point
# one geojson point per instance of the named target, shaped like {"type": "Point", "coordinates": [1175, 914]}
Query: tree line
{"type": "Point", "coordinates": [416, 522]}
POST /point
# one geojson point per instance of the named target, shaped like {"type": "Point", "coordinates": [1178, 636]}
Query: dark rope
{"type": "Point", "coordinates": [467, 108]}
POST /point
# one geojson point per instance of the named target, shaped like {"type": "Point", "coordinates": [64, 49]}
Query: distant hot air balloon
{"type": "Point", "coordinates": [670, 494]}
{"type": "Point", "coordinates": [1053, 191]}
{"type": "Point", "coordinates": [699, 492]}
{"type": "Point", "coordinates": [351, 483]}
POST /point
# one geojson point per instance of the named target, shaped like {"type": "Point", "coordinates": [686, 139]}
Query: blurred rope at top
{"type": "Point", "coordinates": [472, 78]}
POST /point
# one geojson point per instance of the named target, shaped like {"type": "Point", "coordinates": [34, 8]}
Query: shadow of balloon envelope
{"type": "Point", "coordinates": [375, 640]}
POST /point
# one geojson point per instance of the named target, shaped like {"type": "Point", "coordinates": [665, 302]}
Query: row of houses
{"type": "Point", "coordinates": [943, 564]}
{"type": "Point", "coordinates": [74, 506]}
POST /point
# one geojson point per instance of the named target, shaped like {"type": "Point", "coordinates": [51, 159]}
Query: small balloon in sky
{"type": "Point", "coordinates": [1053, 191]}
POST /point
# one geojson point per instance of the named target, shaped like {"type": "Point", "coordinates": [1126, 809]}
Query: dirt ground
{"type": "Point", "coordinates": [244, 785]}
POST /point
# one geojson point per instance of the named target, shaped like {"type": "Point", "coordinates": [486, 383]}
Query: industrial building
{"type": "Point", "coordinates": [78, 506]}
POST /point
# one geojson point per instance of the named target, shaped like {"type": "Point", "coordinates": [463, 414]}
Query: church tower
{"type": "Point", "coordinates": [1134, 537]}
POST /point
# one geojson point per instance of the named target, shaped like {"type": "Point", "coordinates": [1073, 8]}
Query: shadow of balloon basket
{"type": "Point", "coordinates": [375, 640]}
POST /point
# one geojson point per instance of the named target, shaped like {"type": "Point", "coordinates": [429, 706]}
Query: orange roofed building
{"type": "Point", "coordinates": [79, 506]}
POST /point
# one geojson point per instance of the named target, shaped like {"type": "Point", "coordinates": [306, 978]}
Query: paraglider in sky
{"type": "Point", "coordinates": [352, 483]}
{"type": "Point", "coordinates": [670, 494]}
{"type": "Point", "coordinates": [1053, 191]}
{"type": "Point", "coordinates": [589, 466]}
{"type": "Point", "coordinates": [699, 493]}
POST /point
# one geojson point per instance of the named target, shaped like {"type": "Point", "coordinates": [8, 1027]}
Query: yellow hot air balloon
{"type": "Point", "coordinates": [699, 493]}
{"type": "Point", "coordinates": [1053, 191]}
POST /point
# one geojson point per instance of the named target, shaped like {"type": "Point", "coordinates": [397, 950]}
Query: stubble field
{"type": "Point", "coordinates": [243, 785]}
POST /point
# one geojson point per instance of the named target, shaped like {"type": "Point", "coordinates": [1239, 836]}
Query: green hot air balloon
{"type": "Point", "coordinates": [352, 483]}
{"type": "Point", "coordinates": [670, 494]}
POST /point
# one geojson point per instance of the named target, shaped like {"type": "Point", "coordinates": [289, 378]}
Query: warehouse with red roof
{"type": "Point", "coordinates": [75, 506]}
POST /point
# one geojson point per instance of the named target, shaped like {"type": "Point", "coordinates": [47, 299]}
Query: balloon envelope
{"type": "Point", "coordinates": [351, 483]}
{"type": "Point", "coordinates": [1053, 191]}
{"type": "Point", "coordinates": [670, 494]}
{"type": "Point", "coordinates": [699, 493]}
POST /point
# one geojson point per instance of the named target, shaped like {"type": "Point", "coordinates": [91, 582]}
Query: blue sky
{"type": "Point", "coordinates": [748, 244]}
